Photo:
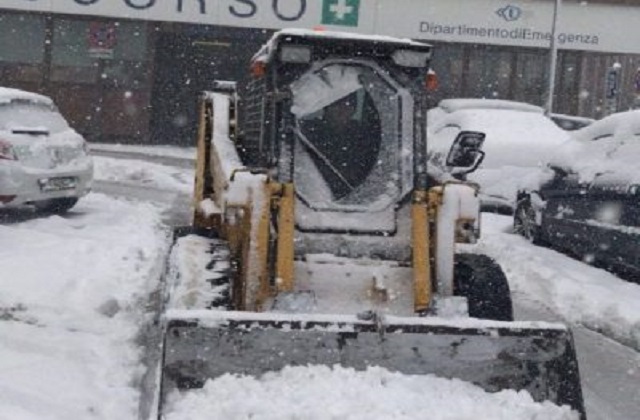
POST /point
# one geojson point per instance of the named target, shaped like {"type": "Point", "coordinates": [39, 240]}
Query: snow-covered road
{"type": "Point", "coordinates": [551, 286]}
{"type": "Point", "coordinates": [71, 291]}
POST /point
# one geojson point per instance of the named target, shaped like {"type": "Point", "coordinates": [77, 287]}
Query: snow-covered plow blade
{"type": "Point", "coordinates": [538, 358]}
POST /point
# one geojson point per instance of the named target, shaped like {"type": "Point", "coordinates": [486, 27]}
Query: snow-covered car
{"type": "Point", "coordinates": [43, 161]}
{"type": "Point", "coordinates": [519, 139]}
{"type": "Point", "coordinates": [588, 201]}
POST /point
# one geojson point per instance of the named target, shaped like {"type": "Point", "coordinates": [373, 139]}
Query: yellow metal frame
{"type": "Point", "coordinates": [203, 163]}
{"type": "Point", "coordinates": [285, 206]}
{"type": "Point", "coordinates": [421, 256]}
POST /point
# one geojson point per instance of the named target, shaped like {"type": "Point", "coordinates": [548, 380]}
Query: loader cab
{"type": "Point", "coordinates": [342, 118]}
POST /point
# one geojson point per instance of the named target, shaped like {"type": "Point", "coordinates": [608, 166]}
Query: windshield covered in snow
{"type": "Point", "coordinates": [23, 114]}
{"type": "Point", "coordinates": [347, 135]}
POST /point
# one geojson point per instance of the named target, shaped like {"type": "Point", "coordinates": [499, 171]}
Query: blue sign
{"type": "Point", "coordinates": [509, 13]}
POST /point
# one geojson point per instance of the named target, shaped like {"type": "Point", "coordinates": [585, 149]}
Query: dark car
{"type": "Point", "coordinates": [588, 202]}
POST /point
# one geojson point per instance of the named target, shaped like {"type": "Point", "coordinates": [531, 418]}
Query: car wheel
{"type": "Point", "coordinates": [525, 224]}
{"type": "Point", "coordinates": [56, 205]}
{"type": "Point", "coordinates": [481, 280]}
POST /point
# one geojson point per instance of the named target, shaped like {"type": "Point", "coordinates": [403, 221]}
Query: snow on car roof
{"type": "Point", "coordinates": [9, 94]}
{"type": "Point", "coordinates": [452, 105]}
{"type": "Point", "coordinates": [620, 123]}
{"type": "Point", "coordinates": [514, 138]}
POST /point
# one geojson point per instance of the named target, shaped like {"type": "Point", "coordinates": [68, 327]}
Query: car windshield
{"type": "Point", "coordinates": [22, 114]}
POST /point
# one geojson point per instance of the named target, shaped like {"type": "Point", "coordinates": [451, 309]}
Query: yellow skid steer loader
{"type": "Point", "coordinates": [322, 236]}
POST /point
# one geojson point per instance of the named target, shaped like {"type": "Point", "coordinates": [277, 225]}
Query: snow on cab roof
{"type": "Point", "coordinates": [348, 35]}
{"type": "Point", "coordinates": [10, 94]}
{"type": "Point", "coordinates": [265, 52]}
{"type": "Point", "coordinates": [457, 104]}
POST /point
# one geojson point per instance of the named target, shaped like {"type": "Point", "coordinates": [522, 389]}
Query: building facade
{"type": "Point", "coordinates": [131, 70]}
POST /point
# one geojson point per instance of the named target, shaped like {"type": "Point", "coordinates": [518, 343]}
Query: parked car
{"type": "Point", "coordinates": [43, 162]}
{"type": "Point", "coordinates": [519, 139]}
{"type": "Point", "coordinates": [588, 203]}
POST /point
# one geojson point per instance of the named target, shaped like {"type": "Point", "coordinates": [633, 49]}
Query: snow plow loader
{"type": "Point", "coordinates": [320, 236]}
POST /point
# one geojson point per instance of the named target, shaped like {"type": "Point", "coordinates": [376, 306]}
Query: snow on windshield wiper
{"type": "Point", "coordinates": [32, 131]}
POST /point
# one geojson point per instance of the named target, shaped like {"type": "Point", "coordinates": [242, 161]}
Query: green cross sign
{"type": "Point", "coordinates": [340, 12]}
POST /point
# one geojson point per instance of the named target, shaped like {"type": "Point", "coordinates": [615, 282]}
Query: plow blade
{"type": "Point", "coordinates": [539, 358]}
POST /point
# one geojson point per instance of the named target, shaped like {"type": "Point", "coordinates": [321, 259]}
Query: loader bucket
{"type": "Point", "coordinates": [536, 357]}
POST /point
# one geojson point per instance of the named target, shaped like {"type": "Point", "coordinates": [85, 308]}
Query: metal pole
{"type": "Point", "coordinates": [553, 59]}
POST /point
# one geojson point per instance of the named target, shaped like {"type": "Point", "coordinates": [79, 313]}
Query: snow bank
{"type": "Point", "coordinates": [164, 151]}
{"type": "Point", "coordinates": [70, 309]}
{"type": "Point", "coordinates": [321, 392]}
{"type": "Point", "coordinates": [139, 172]}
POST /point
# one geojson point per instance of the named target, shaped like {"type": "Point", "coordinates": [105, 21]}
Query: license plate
{"type": "Point", "coordinates": [57, 184]}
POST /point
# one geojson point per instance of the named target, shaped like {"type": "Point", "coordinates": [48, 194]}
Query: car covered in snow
{"type": "Point", "coordinates": [588, 200]}
{"type": "Point", "coordinates": [43, 161]}
{"type": "Point", "coordinates": [519, 139]}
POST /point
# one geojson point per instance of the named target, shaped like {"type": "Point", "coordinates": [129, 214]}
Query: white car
{"type": "Point", "coordinates": [519, 139]}
{"type": "Point", "coordinates": [43, 161]}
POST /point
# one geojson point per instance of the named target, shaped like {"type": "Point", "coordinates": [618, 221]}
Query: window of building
{"type": "Point", "coordinates": [71, 61]}
{"type": "Point", "coordinates": [489, 72]}
{"type": "Point", "coordinates": [118, 59]}
{"type": "Point", "coordinates": [448, 63]}
{"type": "Point", "coordinates": [21, 47]}
{"type": "Point", "coordinates": [22, 39]}
{"type": "Point", "coordinates": [531, 76]}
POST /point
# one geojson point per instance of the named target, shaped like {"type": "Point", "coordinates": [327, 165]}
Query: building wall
{"type": "Point", "coordinates": [143, 86]}
{"type": "Point", "coordinates": [104, 92]}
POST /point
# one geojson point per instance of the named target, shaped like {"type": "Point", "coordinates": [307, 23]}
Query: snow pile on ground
{"type": "Point", "coordinates": [165, 151]}
{"type": "Point", "coordinates": [321, 392]}
{"type": "Point", "coordinates": [72, 302]}
{"type": "Point", "coordinates": [576, 291]}
{"type": "Point", "coordinates": [139, 172]}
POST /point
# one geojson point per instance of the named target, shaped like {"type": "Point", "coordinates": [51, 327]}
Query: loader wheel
{"type": "Point", "coordinates": [55, 205]}
{"type": "Point", "coordinates": [481, 280]}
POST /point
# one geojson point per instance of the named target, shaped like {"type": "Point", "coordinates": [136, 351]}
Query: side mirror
{"type": "Point", "coordinates": [466, 155]}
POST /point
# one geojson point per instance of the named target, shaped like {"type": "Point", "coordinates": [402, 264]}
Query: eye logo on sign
{"type": "Point", "coordinates": [340, 12]}
{"type": "Point", "coordinates": [509, 13]}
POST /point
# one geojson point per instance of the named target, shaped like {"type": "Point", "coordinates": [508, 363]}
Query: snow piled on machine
{"type": "Point", "coordinates": [322, 392]}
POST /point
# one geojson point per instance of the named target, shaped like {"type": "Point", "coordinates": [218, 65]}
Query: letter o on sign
{"type": "Point", "coordinates": [136, 4]}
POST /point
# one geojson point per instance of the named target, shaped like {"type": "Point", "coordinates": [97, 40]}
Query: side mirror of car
{"type": "Point", "coordinates": [466, 155]}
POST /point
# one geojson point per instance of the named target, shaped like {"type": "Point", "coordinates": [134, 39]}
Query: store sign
{"type": "Point", "coordinates": [583, 25]}
{"type": "Point", "coordinates": [101, 39]}
{"type": "Point", "coordinates": [340, 12]}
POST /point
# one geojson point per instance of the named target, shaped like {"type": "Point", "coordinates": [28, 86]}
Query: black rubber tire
{"type": "Point", "coordinates": [524, 222]}
{"type": "Point", "coordinates": [56, 205]}
{"type": "Point", "coordinates": [481, 280]}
